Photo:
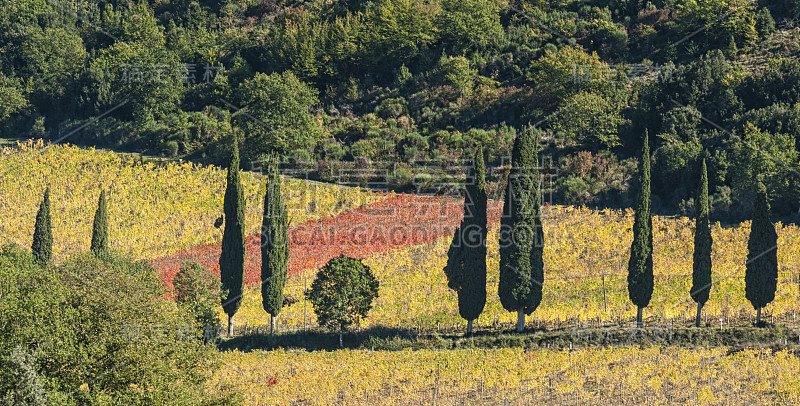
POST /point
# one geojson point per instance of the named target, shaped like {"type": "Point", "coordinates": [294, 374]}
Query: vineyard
{"type": "Point", "coordinates": [156, 208]}
{"type": "Point", "coordinates": [660, 375]}
{"type": "Point", "coordinates": [394, 222]}
{"type": "Point", "coordinates": [404, 238]}
{"type": "Point", "coordinates": [165, 212]}
{"type": "Point", "coordinates": [399, 202]}
{"type": "Point", "coordinates": [585, 277]}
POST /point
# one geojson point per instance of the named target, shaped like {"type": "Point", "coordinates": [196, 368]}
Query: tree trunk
{"type": "Point", "coordinates": [520, 319]}
{"type": "Point", "coordinates": [469, 327]}
{"type": "Point", "coordinates": [639, 323]}
{"type": "Point", "coordinates": [230, 325]}
{"type": "Point", "coordinates": [697, 319]}
{"type": "Point", "coordinates": [341, 332]}
{"type": "Point", "coordinates": [273, 324]}
{"type": "Point", "coordinates": [758, 317]}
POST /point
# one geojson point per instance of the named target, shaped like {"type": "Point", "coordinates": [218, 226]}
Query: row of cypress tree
{"type": "Point", "coordinates": [274, 244]}
{"type": "Point", "coordinates": [761, 268]}
{"type": "Point", "coordinates": [522, 242]}
{"type": "Point", "coordinates": [42, 246]}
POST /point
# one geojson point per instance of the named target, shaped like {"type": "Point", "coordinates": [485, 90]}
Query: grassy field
{"type": "Point", "coordinates": [653, 375]}
{"type": "Point", "coordinates": [154, 208]}
{"type": "Point", "coordinates": [581, 246]}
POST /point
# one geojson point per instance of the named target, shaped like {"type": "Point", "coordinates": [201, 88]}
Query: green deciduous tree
{"type": "Point", "coordinates": [42, 246]}
{"type": "Point", "coordinates": [456, 72]}
{"type": "Point", "coordinates": [769, 157]}
{"type": "Point", "coordinates": [521, 233]}
{"type": "Point", "coordinates": [48, 60]}
{"type": "Point", "coordinates": [701, 264]}
{"type": "Point", "coordinates": [231, 261]}
{"type": "Point", "coordinates": [589, 118]}
{"type": "Point", "coordinates": [278, 117]}
{"type": "Point", "coordinates": [399, 30]}
{"type": "Point", "coordinates": [466, 258]}
{"type": "Point", "coordinates": [640, 265]}
{"type": "Point", "coordinates": [761, 274]}
{"type": "Point", "coordinates": [12, 97]}
{"type": "Point", "coordinates": [470, 25]}
{"type": "Point", "coordinates": [562, 74]}
{"type": "Point", "coordinates": [274, 247]}
{"type": "Point", "coordinates": [100, 241]}
{"type": "Point", "coordinates": [342, 293]}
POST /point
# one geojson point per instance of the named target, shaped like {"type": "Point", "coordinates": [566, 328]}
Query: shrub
{"type": "Point", "coordinates": [103, 327]}
{"type": "Point", "coordinates": [198, 291]}
{"type": "Point", "coordinates": [27, 385]}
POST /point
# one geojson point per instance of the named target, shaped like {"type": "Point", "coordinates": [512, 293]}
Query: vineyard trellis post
{"type": "Point", "coordinates": [436, 387]}
{"type": "Point", "coordinates": [305, 301]}
{"type": "Point", "coordinates": [605, 303]}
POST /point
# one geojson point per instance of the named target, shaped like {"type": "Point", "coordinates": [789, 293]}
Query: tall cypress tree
{"type": "Point", "coordinates": [466, 258]}
{"type": "Point", "coordinates": [100, 228]}
{"type": "Point", "coordinates": [521, 233]}
{"type": "Point", "coordinates": [701, 264]}
{"type": "Point", "coordinates": [640, 265]}
{"type": "Point", "coordinates": [42, 246]}
{"type": "Point", "coordinates": [274, 247]}
{"type": "Point", "coordinates": [231, 261]}
{"type": "Point", "coordinates": [454, 268]}
{"type": "Point", "coordinates": [761, 275]}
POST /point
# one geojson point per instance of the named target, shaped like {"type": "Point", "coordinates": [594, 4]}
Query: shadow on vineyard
{"type": "Point", "coordinates": [773, 337]}
{"type": "Point", "coordinates": [320, 340]}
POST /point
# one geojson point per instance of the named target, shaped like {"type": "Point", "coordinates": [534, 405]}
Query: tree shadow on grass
{"type": "Point", "coordinates": [323, 340]}
{"type": "Point", "coordinates": [396, 339]}
{"type": "Point", "coordinates": [374, 338]}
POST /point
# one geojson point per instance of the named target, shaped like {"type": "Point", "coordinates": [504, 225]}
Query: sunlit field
{"type": "Point", "coordinates": [585, 250]}
{"type": "Point", "coordinates": [654, 375]}
{"type": "Point", "coordinates": [154, 208]}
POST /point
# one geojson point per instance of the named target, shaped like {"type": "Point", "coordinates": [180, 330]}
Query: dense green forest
{"type": "Point", "coordinates": [395, 83]}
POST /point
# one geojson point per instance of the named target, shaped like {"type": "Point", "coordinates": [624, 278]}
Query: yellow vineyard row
{"type": "Point", "coordinates": [154, 208]}
{"type": "Point", "coordinates": [656, 375]}
{"type": "Point", "coordinates": [581, 246]}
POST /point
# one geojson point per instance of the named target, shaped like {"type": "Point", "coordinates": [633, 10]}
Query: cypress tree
{"type": "Point", "coordinates": [42, 246]}
{"type": "Point", "coordinates": [640, 265]}
{"type": "Point", "coordinates": [231, 261]}
{"type": "Point", "coordinates": [761, 275]}
{"type": "Point", "coordinates": [466, 258]}
{"type": "Point", "coordinates": [100, 228]}
{"type": "Point", "coordinates": [274, 248]}
{"type": "Point", "coordinates": [454, 268]}
{"type": "Point", "coordinates": [521, 233]}
{"type": "Point", "coordinates": [701, 264]}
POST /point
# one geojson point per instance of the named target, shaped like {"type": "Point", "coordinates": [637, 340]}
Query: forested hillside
{"type": "Point", "coordinates": [399, 84]}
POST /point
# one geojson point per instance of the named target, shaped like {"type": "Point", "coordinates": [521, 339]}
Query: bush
{"type": "Point", "coordinates": [400, 178]}
{"type": "Point", "coordinates": [27, 385]}
{"type": "Point", "coordinates": [198, 291]}
{"type": "Point", "coordinates": [392, 108]}
{"type": "Point", "coordinates": [104, 328]}
{"type": "Point", "coordinates": [171, 148]}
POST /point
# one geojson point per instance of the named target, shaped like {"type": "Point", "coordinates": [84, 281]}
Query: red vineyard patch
{"type": "Point", "coordinates": [392, 223]}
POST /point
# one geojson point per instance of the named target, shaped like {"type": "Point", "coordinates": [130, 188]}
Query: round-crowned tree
{"type": "Point", "coordinates": [342, 293]}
